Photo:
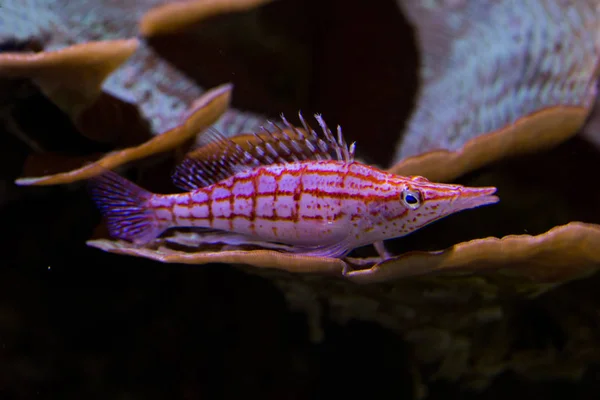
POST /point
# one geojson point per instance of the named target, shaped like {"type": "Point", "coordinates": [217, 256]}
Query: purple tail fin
{"type": "Point", "coordinates": [124, 204]}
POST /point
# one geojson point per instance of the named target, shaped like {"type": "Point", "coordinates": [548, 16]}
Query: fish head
{"type": "Point", "coordinates": [425, 202]}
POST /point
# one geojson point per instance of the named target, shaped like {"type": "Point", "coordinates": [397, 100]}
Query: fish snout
{"type": "Point", "coordinates": [454, 198]}
{"type": "Point", "coordinates": [471, 197]}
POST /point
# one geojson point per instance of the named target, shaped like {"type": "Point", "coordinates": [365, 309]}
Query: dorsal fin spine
{"type": "Point", "coordinates": [296, 146]}
{"type": "Point", "coordinates": [286, 149]}
{"type": "Point", "coordinates": [352, 150]}
{"type": "Point", "coordinates": [329, 136]}
{"type": "Point", "coordinates": [271, 149]}
{"type": "Point", "coordinates": [291, 127]}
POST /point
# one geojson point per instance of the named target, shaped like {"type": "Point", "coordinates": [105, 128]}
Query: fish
{"type": "Point", "coordinates": [296, 187]}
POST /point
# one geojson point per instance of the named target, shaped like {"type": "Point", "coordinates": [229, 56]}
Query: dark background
{"type": "Point", "coordinates": [79, 323]}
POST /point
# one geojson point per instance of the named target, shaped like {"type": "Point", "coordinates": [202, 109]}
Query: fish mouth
{"type": "Point", "coordinates": [471, 197]}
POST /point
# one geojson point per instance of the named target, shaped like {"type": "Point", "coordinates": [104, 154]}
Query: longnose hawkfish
{"type": "Point", "coordinates": [294, 187]}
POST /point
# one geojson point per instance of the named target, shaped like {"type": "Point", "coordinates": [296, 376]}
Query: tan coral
{"type": "Point", "coordinates": [204, 112]}
{"type": "Point", "coordinates": [269, 259]}
{"type": "Point", "coordinates": [143, 94]}
{"type": "Point", "coordinates": [536, 132]}
{"type": "Point", "coordinates": [72, 77]}
{"type": "Point", "coordinates": [542, 89]}
{"type": "Point", "coordinates": [561, 254]}
{"type": "Point", "coordinates": [174, 16]}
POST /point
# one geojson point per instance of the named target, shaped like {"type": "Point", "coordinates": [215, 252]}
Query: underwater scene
{"type": "Point", "coordinates": [299, 199]}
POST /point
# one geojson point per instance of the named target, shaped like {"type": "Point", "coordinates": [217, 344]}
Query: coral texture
{"type": "Point", "coordinates": [487, 64]}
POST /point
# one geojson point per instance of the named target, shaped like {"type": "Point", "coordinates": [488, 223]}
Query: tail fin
{"type": "Point", "coordinates": [125, 206]}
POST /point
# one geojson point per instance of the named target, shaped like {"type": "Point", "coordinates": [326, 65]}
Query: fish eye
{"type": "Point", "coordinates": [411, 198]}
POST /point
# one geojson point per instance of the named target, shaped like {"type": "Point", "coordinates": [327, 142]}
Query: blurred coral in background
{"type": "Point", "coordinates": [480, 92]}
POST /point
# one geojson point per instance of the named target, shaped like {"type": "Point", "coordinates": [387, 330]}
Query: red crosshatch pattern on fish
{"type": "Point", "coordinates": [320, 202]}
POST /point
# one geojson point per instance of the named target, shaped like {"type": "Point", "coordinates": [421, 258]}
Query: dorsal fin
{"type": "Point", "coordinates": [222, 157]}
{"type": "Point", "coordinates": [212, 162]}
